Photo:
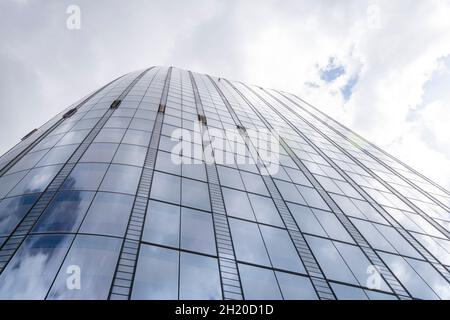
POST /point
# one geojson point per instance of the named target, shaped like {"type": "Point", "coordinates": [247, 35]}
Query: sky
{"type": "Point", "coordinates": [380, 67]}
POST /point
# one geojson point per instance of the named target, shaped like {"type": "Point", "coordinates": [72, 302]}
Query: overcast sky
{"type": "Point", "coordinates": [380, 67]}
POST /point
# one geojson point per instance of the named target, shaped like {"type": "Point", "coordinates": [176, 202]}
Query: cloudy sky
{"type": "Point", "coordinates": [380, 67]}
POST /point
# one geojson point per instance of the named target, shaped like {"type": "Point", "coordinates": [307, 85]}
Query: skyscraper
{"type": "Point", "coordinates": [169, 184]}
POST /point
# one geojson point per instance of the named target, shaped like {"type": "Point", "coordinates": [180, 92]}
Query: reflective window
{"type": "Point", "coordinates": [94, 259]}
{"type": "Point", "coordinates": [99, 152]}
{"type": "Point", "coordinates": [199, 277]}
{"type": "Point", "coordinates": [297, 177]}
{"type": "Point", "coordinates": [194, 171]}
{"type": "Point", "coordinates": [332, 225]}
{"type": "Point", "coordinates": [295, 287]}
{"type": "Point", "coordinates": [265, 210]}
{"type": "Point", "coordinates": [85, 176]}
{"type": "Point", "coordinates": [237, 204]}
{"type": "Point", "coordinates": [312, 198]}
{"type": "Point", "coordinates": [282, 252]}
{"type": "Point", "coordinates": [254, 183]}
{"type": "Point", "coordinates": [156, 274]}
{"type": "Point", "coordinates": [197, 232]}
{"type": "Point", "coordinates": [248, 244]}
{"type": "Point", "coordinates": [289, 192]}
{"type": "Point", "coordinates": [195, 194]}
{"type": "Point", "coordinates": [166, 187]}
{"type": "Point", "coordinates": [65, 212]}
{"type": "Point", "coordinates": [28, 161]}
{"type": "Point", "coordinates": [141, 138]}
{"type": "Point", "coordinates": [162, 224]}
{"type": "Point", "coordinates": [344, 292]}
{"type": "Point", "coordinates": [230, 177]}
{"type": "Point", "coordinates": [306, 220]}
{"type": "Point", "coordinates": [9, 181]}
{"type": "Point", "coordinates": [132, 155]}
{"type": "Point", "coordinates": [165, 162]}
{"type": "Point", "coordinates": [57, 155]}
{"type": "Point", "coordinates": [120, 178]}
{"type": "Point", "coordinates": [36, 180]}
{"type": "Point", "coordinates": [31, 271]}
{"type": "Point", "coordinates": [259, 283]}
{"type": "Point", "coordinates": [110, 135]}
{"type": "Point", "coordinates": [12, 210]}
{"type": "Point", "coordinates": [108, 214]}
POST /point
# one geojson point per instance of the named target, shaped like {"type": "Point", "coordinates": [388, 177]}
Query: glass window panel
{"type": "Point", "coordinates": [281, 249]}
{"type": "Point", "coordinates": [397, 241]}
{"type": "Point", "coordinates": [110, 135]}
{"type": "Point", "coordinates": [237, 204]}
{"type": "Point", "coordinates": [248, 244]}
{"type": "Point", "coordinates": [117, 122]}
{"type": "Point", "coordinates": [166, 187]}
{"type": "Point", "coordinates": [73, 137]}
{"type": "Point", "coordinates": [197, 232]}
{"type": "Point", "coordinates": [57, 155]}
{"type": "Point", "coordinates": [47, 142]}
{"type": "Point", "coordinates": [168, 162]}
{"type": "Point", "coordinates": [65, 213]}
{"type": "Point", "coordinates": [295, 287]}
{"type": "Point", "coordinates": [108, 214]}
{"type": "Point", "coordinates": [156, 274]}
{"type": "Point", "coordinates": [312, 198]}
{"type": "Point", "coordinates": [332, 226]}
{"type": "Point", "coordinates": [254, 183]}
{"type": "Point", "coordinates": [199, 277]}
{"type": "Point", "coordinates": [141, 124]}
{"type": "Point", "coordinates": [100, 152]}
{"type": "Point", "coordinates": [344, 292]}
{"type": "Point", "coordinates": [194, 171]}
{"type": "Point", "coordinates": [372, 235]}
{"type": "Point", "coordinates": [297, 177]}
{"type": "Point", "coordinates": [85, 176]}
{"type": "Point", "coordinates": [258, 283]}
{"type": "Point", "coordinates": [9, 181]}
{"type": "Point", "coordinates": [162, 224]}
{"type": "Point", "coordinates": [141, 138]}
{"type": "Point", "coordinates": [265, 210]}
{"type": "Point", "coordinates": [438, 247]}
{"type": "Point", "coordinates": [129, 154]}
{"type": "Point", "coordinates": [289, 192]}
{"type": "Point", "coordinates": [195, 194]}
{"type": "Point", "coordinates": [12, 210]}
{"type": "Point", "coordinates": [36, 180]}
{"type": "Point", "coordinates": [230, 177]}
{"type": "Point", "coordinates": [96, 258]}
{"type": "Point", "coordinates": [2, 240]}
{"type": "Point", "coordinates": [121, 178]}
{"type": "Point", "coordinates": [31, 271]}
{"type": "Point", "coordinates": [306, 220]}
{"type": "Point", "coordinates": [28, 161]}
{"type": "Point", "coordinates": [408, 277]}
{"type": "Point", "coordinates": [330, 260]}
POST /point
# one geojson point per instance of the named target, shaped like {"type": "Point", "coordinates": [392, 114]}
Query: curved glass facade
{"type": "Point", "coordinates": [169, 184]}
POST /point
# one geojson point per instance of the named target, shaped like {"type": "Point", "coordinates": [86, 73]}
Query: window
{"type": "Point", "coordinates": [9, 181]}
{"type": "Point", "coordinates": [65, 212]}
{"type": "Point", "coordinates": [156, 274]}
{"type": "Point", "coordinates": [199, 277]}
{"type": "Point", "coordinates": [31, 271]}
{"type": "Point", "coordinates": [85, 176]}
{"type": "Point", "coordinates": [57, 155]}
{"type": "Point", "coordinates": [295, 287]}
{"type": "Point", "coordinates": [313, 198]}
{"type": "Point", "coordinates": [166, 187]}
{"type": "Point", "coordinates": [258, 283]}
{"type": "Point", "coordinates": [110, 135]}
{"type": "Point", "coordinates": [131, 155]}
{"type": "Point", "coordinates": [332, 226]}
{"type": "Point", "coordinates": [162, 224]}
{"type": "Point", "coordinates": [108, 214]}
{"type": "Point", "coordinates": [282, 252]}
{"type": "Point", "coordinates": [306, 220]}
{"type": "Point", "coordinates": [36, 180]}
{"type": "Point", "coordinates": [96, 258]}
{"type": "Point", "coordinates": [289, 192]}
{"type": "Point", "coordinates": [194, 171]}
{"type": "Point", "coordinates": [254, 183]}
{"type": "Point", "coordinates": [248, 244]}
{"type": "Point", "coordinates": [237, 204]}
{"type": "Point", "coordinates": [99, 152]}
{"type": "Point", "coordinates": [197, 232]}
{"type": "Point", "coordinates": [12, 210]}
{"type": "Point", "coordinates": [265, 210]}
{"type": "Point", "coordinates": [120, 178]}
{"type": "Point", "coordinates": [195, 194]}
{"type": "Point", "coordinates": [28, 161]}
{"type": "Point", "coordinates": [140, 138]}
{"type": "Point", "coordinates": [165, 162]}
{"type": "Point", "coordinates": [117, 122]}
{"type": "Point", "coordinates": [230, 177]}
{"type": "Point", "coordinates": [344, 292]}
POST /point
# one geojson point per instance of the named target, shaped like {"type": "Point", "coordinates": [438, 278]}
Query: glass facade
{"type": "Point", "coordinates": [158, 186]}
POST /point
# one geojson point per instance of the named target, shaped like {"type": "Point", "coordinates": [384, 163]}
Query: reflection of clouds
{"type": "Point", "coordinates": [12, 210]}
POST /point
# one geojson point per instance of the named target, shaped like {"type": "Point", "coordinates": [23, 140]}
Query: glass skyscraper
{"type": "Point", "coordinates": [169, 184]}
